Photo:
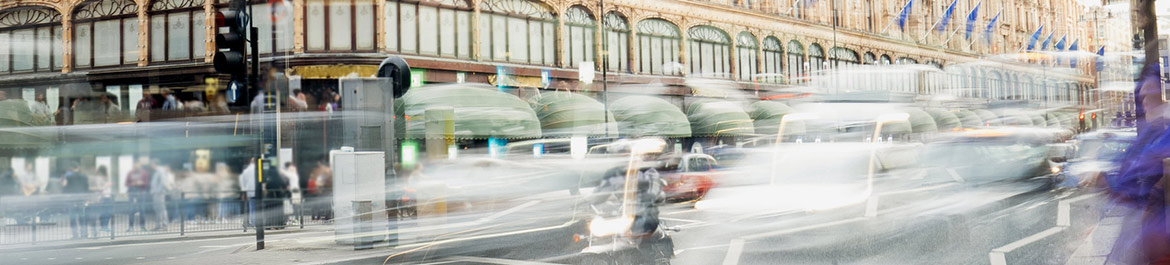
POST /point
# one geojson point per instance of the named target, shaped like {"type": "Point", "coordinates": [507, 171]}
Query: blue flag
{"type": "Point", "coordinates": [991, 26]}
{"type": "Point", "coordinates": [905, 13]}
{"type": "Point", "coordinates": [1044, 46]}
{"type": "Point", "coordinates": [971, 19]}
{"type": "Point", "coordinates": [1100, 61]}
{"type": "Point", "coordinates": [946, 17]}
{"type": "Point", "coordinates": [1035, 37]}
{"type": "Point", "coordinates": [1073, 61]}
{"type": "Point", "coordinates": [1060, 44]}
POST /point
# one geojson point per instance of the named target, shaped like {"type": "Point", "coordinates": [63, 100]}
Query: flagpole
{"type": "Point", "coordinates": [794, 3]}
{"type": "Point", "coordinates": [985, 31]}
{"type": "Point", "coordinates": [891, 23]}
{"type": "Point", "coordinates": [950, 36]}
{"type": "Point", "coordinates": [932, 27]}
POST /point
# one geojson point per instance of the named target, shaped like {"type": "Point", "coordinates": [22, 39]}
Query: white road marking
{"type": "Point", "coordinates": [734, 249]}
{"type": "Point", "coordinates": [997, 255]}
{"type": "Point", "coordinates": [140, 258]}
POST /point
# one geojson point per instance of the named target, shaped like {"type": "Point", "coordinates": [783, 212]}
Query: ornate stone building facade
{"type": "Point", "coordinates": [168, 43]}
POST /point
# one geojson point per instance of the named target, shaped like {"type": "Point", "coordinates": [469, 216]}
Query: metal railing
{"type": "Point", "coordinates": [43, 218]}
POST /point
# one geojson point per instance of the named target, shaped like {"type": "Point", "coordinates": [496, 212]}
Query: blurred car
{"type": "Point", "coordinates": [992, 155]}
{"type": "Point", "coordinates": [688, 176]}
{"type": "Point", "coordinates": [1096, 160]}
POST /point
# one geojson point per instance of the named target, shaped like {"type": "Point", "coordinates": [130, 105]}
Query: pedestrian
{"type": "Point", "coordinates": [276, 192]}
{"type": "Point", "coordinates": [161, 182]}
{"type": "Point", "coordinates": [138, 187]}
{"type": "Point", "coordinates": [296, 101]}
{"type": "Point", "coordinates": [247, 180]}
{"type": "Point", "coordinates": [27, 179]}
{"type": "Point", "coordinates": [321, 187]}
{"type": "Point", "coordinates": [142, 110]}
{"type": "Point", "coordinates": [106, 201]}
{"type": "Point", "coordinates": [76, 185]}
{"type": "Point", "coordinates": [226, 192]}
{"type": "Point", "coordinates": [171, 103]}
{"type": "Point", "coordinates": [40, 108]}
{"type": "Point", "coordinates": [294, 187]}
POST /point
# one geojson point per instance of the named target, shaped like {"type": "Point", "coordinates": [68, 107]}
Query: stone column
{"type": "Point", "coordinates": [475, 45]}
{"type": "Point", "coordinates": [299, 26]}
{"type": "Point", "coordinates": [209, 30]}
{"type": "Point", "coordinates": [144, 34]}
{"type": "Point", "coordinates": [67, 31]}
{"type": "Point", "coordinates": [380, 25]}
{"type": "Point", "coordinates": [560, 41]}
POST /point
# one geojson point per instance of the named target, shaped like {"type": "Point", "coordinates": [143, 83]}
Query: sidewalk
{"type": "Point", "coordinates": [1097, 247]}
{"type": "Point", "coordinates": [152, 238]}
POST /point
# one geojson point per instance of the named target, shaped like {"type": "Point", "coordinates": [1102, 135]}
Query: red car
{"type": "Point", "coordinates": [688, 176]}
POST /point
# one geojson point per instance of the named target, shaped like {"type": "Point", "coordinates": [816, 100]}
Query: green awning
{"type": "Point", "coordinates": [945, 120]}
{"type": "Point", "coordinates": [1053, 120]}
{"type": "Point", "coordinates": [649, 116]}
{"type": "Point", "coordinates": [565, 114]}
{"type": "Point", "coordinates": [969, 119]}
{"type": "Point", "coordinates": [989, 118]}
{"type": "Point", "coordinates": [1014, 118]}
{"type": "Point", "coordinates": [718, 118]}
{"type": "Point", "coordinates": [920, 121]}
{"type": "Point", "coordinates": [479, 112]}
{"type": "Point", "coordinates": [16, 113]}
{"type": "Point", "coordinates": [766, 117]}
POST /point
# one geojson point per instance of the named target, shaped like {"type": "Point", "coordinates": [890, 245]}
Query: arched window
{"type": "Point", "coordinates": [30, 40]}
{"type": "Point", "coordinates": [117, 43]}
{"type": "Point", "coordinates": [746, 47]}
{"type": "Point", "coordinates": [177, 30]}
{"type": "Point", "coordinates": [996, 80]}
{"type": "Point", "coordinates": [348, 25]}
{"type": "Point", "coordinates": [841, 56]}
{"type": "Point", "coordinates": [869, 58]}
{"type": "Point", "coordinates": [432, 27]}
{"type": "Point", "coordinates": [658, 42]}
{"type": "Point", "coordinates": [773, 56]}
{"type": "Point", "coordinates": [885, 59]}
{"type": "Point", "coordinates": [519, 31]}
{"type": "Point", "coordinates": [795, 60]}
{"type": "Point", "coordinates": [579, 26]}
{"type": "Point", "coordinates": [906, 60]}
{"type": "Point", "coordinates": [617, 34]}
{"type": "Point", "coordinates": [274, 36]}
{"type": "Point", "coordinates": [710, 51]}
{"type": "Point", "coordinates": [816, 57]}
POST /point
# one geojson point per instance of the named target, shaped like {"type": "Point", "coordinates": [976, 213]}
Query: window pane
{"type": "Point", "coordinates": [463, 37]}
{"type": "Point", "coordinates": [22, 52]}
{"type": "Point", "coordinates": [550, 45]}
{"type": "Point", "coordinates": [364, 28]}
{"type": "Point", "coordinates": [623, 51]}
{"type": "Point", "coordinates": [409, 31]}
{"type": "Point", "coordinates": [672, 49]}
{"type": "Point", "coordinates": [499, 38]}
{"type": "Point", "coordinates": [588, 45]}
{"type": "Point", "coordinates": [179, 36]}
{"type": "Point", "coordinates": [577, 46]}
{"type": "Point", "coordinates": [81, 45]}
{"type": "Point", "coordinates": [315, 22]}
{"type": "Point", "coordinates": [5, 46]}
{"type": "Point", "coordinates": [44, 49]}
{"type": "Point", "coordinates": [446, 31]}
{"type": "Point", "coordinates": [105, 45]}
{"type": "Point", "coordinates": [656, 55]}
{"type": "Point", "coordinates": [264, 24]}
{"type": "Point", "coordinates": [284, 34]}
{"type": "Point", "coordinates": [199, 34]}
{"type": "Point", "coordinates": [158, 38]}
{"type": "Point", "coordinates": [391, 25]}
{"type": "Point", "coordinates": [130, 40]}
{"type": "Point", "coordinates": [613, 51]}
{"type": "Point", "coordinates": [706, 55]}
{"type": "Point", "coordinates": [58, 47]}
{"type": "Point", "coordinates": [340, 28]}
{"type": "Point", "coordinates": [428, 36]}
{"type": "Point", "coordinates": [517, 41]}
{"type": "Point", "coordinates": [644, 54]}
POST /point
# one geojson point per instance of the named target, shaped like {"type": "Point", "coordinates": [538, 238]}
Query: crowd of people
{"type": "Point", "coordinates": [155, 196]}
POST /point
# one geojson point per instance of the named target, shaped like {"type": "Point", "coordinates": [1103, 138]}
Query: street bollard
{"type": "Point", "coordinates": [361, 225]}
{"type": "Point", "coordinates": [182, 215]}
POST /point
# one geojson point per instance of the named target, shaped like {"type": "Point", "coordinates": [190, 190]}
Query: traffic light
{"type": "Point", "coordinates": [230, 41]}
{"type": "Point", "coordinates": [397, 73]}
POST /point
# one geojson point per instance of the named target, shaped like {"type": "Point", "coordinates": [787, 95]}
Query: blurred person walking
{"type": "Point", "coordinates": [142, 111]}
{"type": "Point", "coordinates": [106, 201]}
{"type": "Point", "coordinates": [27, 179]}
{"type": "Point", "coordinates": [76, 185]}
{"type": "Point", "coordinates": [295, 197]}
{"type": "Point", "coordinates": [161, 182]}
{"type": "Point", "coordinates": [138, 187]}
{"type": "Point", "coordinates": [1139, 186]}
{"type": "Point", "coordinates": [40, 108]}
{"type": "Point", "coordinates": [247, 180]}
{"type": "Point", "coordinates": [226, 192]}
{"type": "Point", "coordinates": [171, 103]}
{"type": "Point", "coordinates": [297, 101]}
{"type": "Point", "coordinates": [320, 186]}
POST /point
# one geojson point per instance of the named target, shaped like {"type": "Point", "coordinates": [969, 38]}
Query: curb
{"type": "Point", "coordinates": [81, 243]}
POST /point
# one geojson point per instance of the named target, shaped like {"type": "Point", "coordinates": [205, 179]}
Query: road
{"type": "Point", "coordinates": [944, 223]}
